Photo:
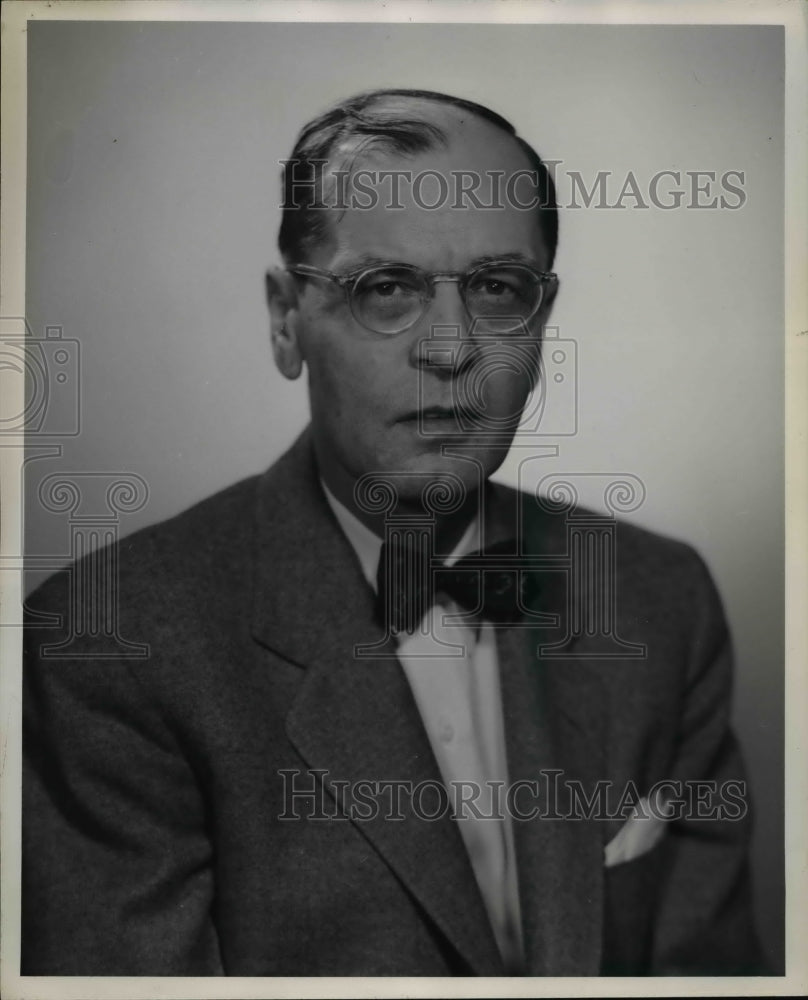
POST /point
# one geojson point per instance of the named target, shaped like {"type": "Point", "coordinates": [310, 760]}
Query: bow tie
{"type": "Point", "coordinates": [408, 583]}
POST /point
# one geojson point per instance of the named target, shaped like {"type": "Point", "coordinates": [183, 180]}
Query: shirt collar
{"type": "Point", "coordinates": [368, 546]}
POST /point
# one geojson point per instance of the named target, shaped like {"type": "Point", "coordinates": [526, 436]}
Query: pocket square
{"type": "Point", "coordinates": [638, 835]}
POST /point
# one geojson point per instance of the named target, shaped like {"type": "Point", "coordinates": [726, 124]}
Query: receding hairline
{"type": "Point", "coordinates": [447, 125]}
{"type": "Point", "coordinates": [446, 121]}
{"type": "Point", "coordinates": [397, 102]}
{"type": "Point", "coordinates": [440, 113]}
{"type": "Point", "coordinates": [401, 123]}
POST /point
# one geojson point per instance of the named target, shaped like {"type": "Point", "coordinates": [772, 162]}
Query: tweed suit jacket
{"type": "Point", "coordinates": [155, 788]}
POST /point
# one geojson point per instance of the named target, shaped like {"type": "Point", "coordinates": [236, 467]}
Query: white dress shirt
{"type": "Point", "coordinates": [453, 672]}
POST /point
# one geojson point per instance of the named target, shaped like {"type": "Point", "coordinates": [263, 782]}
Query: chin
{"type": "Point", "coordinates": [468, 469]}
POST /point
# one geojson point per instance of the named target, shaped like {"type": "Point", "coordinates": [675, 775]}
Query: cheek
{"type": "Point", "coordinates": [347, 378]}
{"type": "Point", "coordinates": [503, 379]}
{"type": "Point", "coordinates": [334, 390]}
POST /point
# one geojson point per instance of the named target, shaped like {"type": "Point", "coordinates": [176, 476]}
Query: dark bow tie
{"type": "Point", "coordinates": [487, 583]}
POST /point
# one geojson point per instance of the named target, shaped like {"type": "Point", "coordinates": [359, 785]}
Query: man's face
{"type": "Point", "coordinates": [390, 403]}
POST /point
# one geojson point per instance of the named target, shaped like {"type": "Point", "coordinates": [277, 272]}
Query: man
{"type": "Point", "coordinates": [349, 751]}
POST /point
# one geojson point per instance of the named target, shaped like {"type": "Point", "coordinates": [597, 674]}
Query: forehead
{"type": "Point", "coordinates": [439, 208]}
{"type": "Point", "coordinates": [466, 136]}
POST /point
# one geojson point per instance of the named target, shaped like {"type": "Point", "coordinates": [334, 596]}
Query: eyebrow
{"type": "Point", "coordinates": [517, 257]}
{"type": "Point", "coordinates": [363, 260]}
{"type": "Point", "coordinates": [356, 263]}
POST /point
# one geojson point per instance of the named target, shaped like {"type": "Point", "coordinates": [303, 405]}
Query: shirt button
{"type": "Point", "coordinates": [446, 731]}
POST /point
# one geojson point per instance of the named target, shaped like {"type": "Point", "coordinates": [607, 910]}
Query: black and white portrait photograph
{"type": "Point", "coordinates": [398, 499]}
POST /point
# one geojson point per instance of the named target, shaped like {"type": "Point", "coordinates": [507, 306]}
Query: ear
{"type": "Point", "coordinates": [550, 292]}
{"type": "Point", "coordinates": [284, 322]}
{"type": "Point", "coordinates": [540, 320]}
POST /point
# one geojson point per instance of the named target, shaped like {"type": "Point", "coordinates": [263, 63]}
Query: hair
{"type": "Point", "coordinates": [376, 119]}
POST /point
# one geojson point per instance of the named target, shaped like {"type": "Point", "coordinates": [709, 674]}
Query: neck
{"type": "Point", "coordinates": [449, 528]}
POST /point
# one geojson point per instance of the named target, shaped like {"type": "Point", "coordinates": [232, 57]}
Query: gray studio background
{"type": "Point", "coordinates": [153, 197]}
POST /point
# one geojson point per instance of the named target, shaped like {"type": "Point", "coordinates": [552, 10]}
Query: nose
{"type": "Point", "coordinates": [442, 343]}
{"type": "Point", "coordinates": [446, 307]}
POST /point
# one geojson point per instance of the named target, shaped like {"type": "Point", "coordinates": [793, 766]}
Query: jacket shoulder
{"type": "Point", "coordinates": [156, 563]}
{"type": "Point", "coordinates": [650, 566]}
{"type": "Point", "coordinates": [553, 521]}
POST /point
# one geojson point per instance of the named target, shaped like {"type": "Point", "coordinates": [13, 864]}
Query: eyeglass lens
{"type": "Point", "coordinates": [390, 299]}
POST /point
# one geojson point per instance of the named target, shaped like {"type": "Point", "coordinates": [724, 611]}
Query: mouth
{"type": "Point", "coordinates": [446, 414]}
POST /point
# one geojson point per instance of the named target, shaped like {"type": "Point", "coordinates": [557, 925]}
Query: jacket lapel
{"type": "Point", "coordinates": [553, 732]}
{"type": "Point", "coordinates": [554, 725]}
{"type": "Point", "coordinates": [355, 718]}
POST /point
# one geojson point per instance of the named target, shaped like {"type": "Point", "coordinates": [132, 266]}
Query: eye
{"type": "Point", "coordinates": [387, 284]}
{"type": "Point", "coordinates": [503, 291]}
{"type": "Point", "coordinates": [495, 285]}
{"type": "Point", "coordinates": [384, 289]}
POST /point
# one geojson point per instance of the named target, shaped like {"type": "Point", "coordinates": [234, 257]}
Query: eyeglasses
{"type": "Point", "coordinates": [390, 298]}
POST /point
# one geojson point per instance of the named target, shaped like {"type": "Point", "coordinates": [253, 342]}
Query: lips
{"type": "Point", "coordinates": [439, 413]}
{"type": "Point", "coordinates": [447, 413]}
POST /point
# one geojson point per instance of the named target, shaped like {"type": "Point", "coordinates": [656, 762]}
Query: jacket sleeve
{"type": "Point", "coordinates": [704, 923]}
{"type": "Point", "coordinates": [117, 876]}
